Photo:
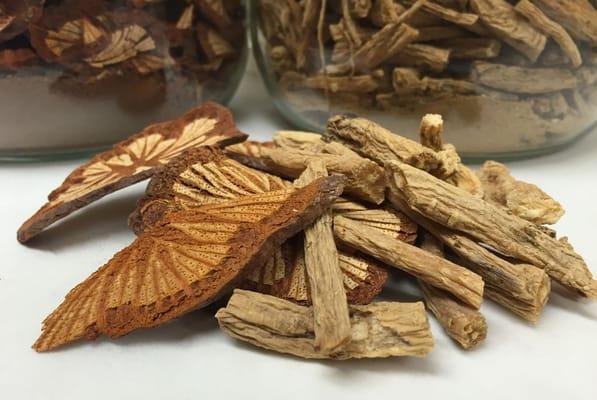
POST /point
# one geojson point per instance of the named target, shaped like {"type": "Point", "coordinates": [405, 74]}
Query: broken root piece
{"type": "Point", "coordinates": [491, 225]}
{"type": "Point", "coordinates": [378, 330]}
{"type": "Point", "coordinates": [330, 308]}
{"type": "Point", "coordinates": [462, 283]}
{"type": "Point", "coordinates": [461, 322]}
{"type": "Point", "coordinates": [523, 199]}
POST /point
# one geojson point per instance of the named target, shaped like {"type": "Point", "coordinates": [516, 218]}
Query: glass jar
{"type": "Point", "coordinates": [77, 75]}
{"type": "Point", "coordinates": [510, 80]}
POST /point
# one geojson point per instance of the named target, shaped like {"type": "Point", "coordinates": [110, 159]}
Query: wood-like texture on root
{"type": "Point", "coordinates": [462, 283]}
{"type": "Point", "coordinates": [501, 18]}
{"type": "Point", "coordinates": [378, 330]}
{"type": "Point", "coordinates": [461, 322]}
{"type": "Point", "coordinates": [523, 199]}
{"type": "Point", "coordinates": [330, 308]}
{"type": "Point", "coordinates": [522, 289]}
{"type": "Point", "coordinates": [491, 225]}
{"type": "Point", "coordinates": [364, 178]}
{"type": "Point", "coordinates": [380, 145]}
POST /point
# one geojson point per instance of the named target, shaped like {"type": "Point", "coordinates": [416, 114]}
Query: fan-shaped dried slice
{"type": "Point", "coordinates": [189, 259]}
{"type": "Point", "coordinates": [197, 177]}
{"type": "Point", "coordinates": [70, 30]}
{"type": "Point", "coordinates": [16, 15]}
{"type": "Point", "coordinates": [206, 176]}
{"type": "Point", "coordinates": [133, 160]}
{"type": "Point", "coordinates": [285, 275]}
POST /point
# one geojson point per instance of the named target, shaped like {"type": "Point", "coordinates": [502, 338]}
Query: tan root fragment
{"type": "Point", "coordinates": [436, 271]}
{"type": "Point", "coordinates": [522, 79]}
{"type": "Point", "coordinates": [522, 289]}
{"type": "Point", "coordinates": [330, 308]}
{"type": "Point", "coordinates": [579, 17]}
{"type": "Point", "coordinates": [408, 81]}
{"type": "Point", "coordinates": [466, 179]}
{"type": "Point", "coordinates": [299, 140]}
{"type": "Point", "coordinates": [501, 18]}
{"type": "Point", "coordinates": [380, 145]}
{"type": "Point", "coordinates": [383, 45]}
{"type": "Point", "coordinates": [544, 24]}
{"type": "Point", "coordinates": [450, 15]}
{"type": "Point", "coordinates": [360, 8]}
{"type": "Point", "coordinates": [365, 179]}
{"type": "Point", "coordinates": [430, 132]}
{"type": "Point", "coordinates": [333, 84]}
{"type": "Point", "coordinates": [523, 199]}
{"type": "Point", "coordinates": [462, 323]}
{"type": "Point", "coordinates": [386, 12]}
{"type": "Point", "coordinates": [491, 225]}
{"type": "Point", "coordinates": [349, 24]}
{"type": "Point", "coordinates": [441, 32]}
{"type": "Point", "coordinates": [423, 56]}
{"type": "Point", "coordinates": [472, 48]}
{"type": "Point", "coordinates": [281, 20]}
{"type": "Point", "coordinates": [378, 330]}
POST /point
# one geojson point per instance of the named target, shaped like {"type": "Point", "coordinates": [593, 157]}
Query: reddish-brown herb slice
{"type": "Point", "coordinates": [188, 260]}
{"type": "Point", "coordinates": [206, 176]}
{"type": "Point", "coordinates": [133, 160]}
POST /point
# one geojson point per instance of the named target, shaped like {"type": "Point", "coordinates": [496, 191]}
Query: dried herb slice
{"type": "Point", "coordinates": [133, 160]}
{"type": "Point", "coordinates": [16, 15]}
{"type": "Point", "coordinates": [379, 330]}
{"type": "Point", "coordinates": [70, 31]}
{"type": "Point", "coordinates": [197, 177]}
{"type": "Point", "coordinates": [188, 260]}
{"type": "Point", "coordinates": [206, 176]}
{"type": "Point", "coordinates": [285, 275]}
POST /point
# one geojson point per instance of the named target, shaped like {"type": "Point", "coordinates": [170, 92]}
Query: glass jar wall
{"type": "Point", "coordinates": [511, 78]}
{"type": "Point", "coordinates": [80, 74]}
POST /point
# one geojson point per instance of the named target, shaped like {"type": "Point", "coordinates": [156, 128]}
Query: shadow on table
{"type": "Point", "coordinates": [108, 216]}
{"type": "Point", "coordinates": [563, 299]}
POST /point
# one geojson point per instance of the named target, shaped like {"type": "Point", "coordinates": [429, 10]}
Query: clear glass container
{"type": "Point", "coordinates": [508, 83]}
{"type": "Point", "coordinates": [78, 75]}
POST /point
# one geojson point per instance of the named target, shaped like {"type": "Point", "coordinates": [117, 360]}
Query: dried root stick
{"type": "Point", "coordinates": [379, 330]}
{"type": "Point", "coordinates": [462, 323]}
{"type": "Point", "coordinates": [491, 225]}
{"type": "Point", "coordinates": [364, 178]}
{"type": "Point", "coordinates": [524, 199]}
{"type": "Point", "coordinates": [380, 145]}
{"type": "Point", "coordinates": [330, 307]}
{"type": "Point", "coordinates": [462, 283]}
{"type": "Point", "coordinates": [551, 28]}
{"type": "Point", "coordinates": [522, 289]}
{"type": "Point", "coordinates": [431, 130]}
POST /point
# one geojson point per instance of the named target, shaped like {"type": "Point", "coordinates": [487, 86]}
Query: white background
{"type": "Point", "coordinates": [190, 359]}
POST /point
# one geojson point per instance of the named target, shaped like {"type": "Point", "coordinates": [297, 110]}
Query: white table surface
{"type": "Point", "coordinates": [190, 359]}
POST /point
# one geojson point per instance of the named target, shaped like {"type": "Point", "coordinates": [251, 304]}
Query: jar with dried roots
{"type": "Point", "coordinates": [80, 74]}
{"type": "Point", "coordinates": [511, 78]}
